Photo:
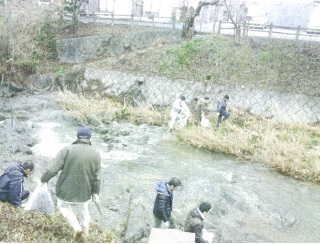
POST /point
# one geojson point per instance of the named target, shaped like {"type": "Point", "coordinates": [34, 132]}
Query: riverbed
{"type": "Point", "coordinates": [251, 203]}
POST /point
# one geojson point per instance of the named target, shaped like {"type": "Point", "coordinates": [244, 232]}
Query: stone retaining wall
{"type": "Point", "coordinates": [161, 91]}
{"type": "Point", "coordinates": [81, 49]}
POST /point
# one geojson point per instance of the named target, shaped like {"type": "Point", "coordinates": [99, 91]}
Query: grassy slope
{"type": "Point", "coordinates": [258, 63]}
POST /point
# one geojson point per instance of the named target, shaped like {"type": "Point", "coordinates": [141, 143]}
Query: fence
{"type": "Point", "coordinates": [218, 27]}
{"type": "Point", "coordinates": [281, 106]}
{"type": "Point", "coordinates": [270, 31]}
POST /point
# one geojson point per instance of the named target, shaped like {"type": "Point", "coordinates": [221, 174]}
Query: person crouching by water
{"type": "Point", "coordinates": [163, 203]}
{"type": "Point", "coordinates": [181, 110]}
{"type": "Point", "coordinates": [194, 222]}
{"type": "Point", "coordinates": [11, 183]}
{"type": "Point", "coordinates": [79, 181]}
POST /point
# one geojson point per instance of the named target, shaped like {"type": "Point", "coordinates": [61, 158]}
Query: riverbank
{"type": "Point", "coordinates": [289, 148]}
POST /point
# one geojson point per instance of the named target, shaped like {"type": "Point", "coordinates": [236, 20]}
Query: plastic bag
{"type": "Point", "coordinates": [207, 235]}
{"type": "Point", "coordinates": [40, 201]}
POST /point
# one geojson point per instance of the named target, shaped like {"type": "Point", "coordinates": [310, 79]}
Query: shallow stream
{"type": "Point", "coordinates": [251, 203]}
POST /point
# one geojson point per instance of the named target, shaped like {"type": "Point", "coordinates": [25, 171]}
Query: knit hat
{"type": "Point", "coordinates": [183, 98]}
{"type": "Point", "coordinates": [84, 133]}
{"type": "Point", "coordinates": [226, 97]}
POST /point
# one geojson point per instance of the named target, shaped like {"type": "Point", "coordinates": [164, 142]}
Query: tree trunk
{"type": "Point", "coordinates": [188, 25]}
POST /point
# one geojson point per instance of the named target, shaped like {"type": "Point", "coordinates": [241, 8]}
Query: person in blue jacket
{"type": "Point", "coordinates": [222, 110]}
{"type": "Point", "coordinates": [11, 183]}
{"type": "Point", "coordinates": [163, 203]}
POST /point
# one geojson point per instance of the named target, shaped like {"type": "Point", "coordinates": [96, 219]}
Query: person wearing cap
{"type": "Point", "coordinates": [79, 165]}
{"type": "Point", "coordinates": [11, 183]}
{"type": "Point", "coordinates": [181, 110]}
{"type": "Point", "coordinates": [222, 110]}
{"type": "Point", "coordinates": [202, 108]}
{"type": "Point", "coordinates": [194, 222]}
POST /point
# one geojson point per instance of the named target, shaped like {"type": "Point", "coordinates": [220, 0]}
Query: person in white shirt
{"type": "Point", "coordinates": [181, 110]}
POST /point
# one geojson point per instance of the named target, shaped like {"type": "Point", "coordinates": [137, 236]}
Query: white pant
{"type": "Point", "coordinates": [182, 117]}
{"type": "Point", "coordinates": [77, 214]}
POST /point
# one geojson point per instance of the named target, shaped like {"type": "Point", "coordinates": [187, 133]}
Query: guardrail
{"type": "Point", "coordinates": [270, 31]}
{"type": "Point", "coordinates": [218, 27]}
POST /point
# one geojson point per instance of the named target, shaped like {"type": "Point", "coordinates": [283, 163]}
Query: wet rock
{"type": "Point", "coordinates": [244, 207]}
{"type": "Point", "coordinates": [117, 129]}
{"type": "Point", "coordinates": [287, 219]}
{"type": "Point", "coordinates": [16, 87]}
{"type": "Point", "coordinates": [101, 129]}
{"type": "Point", "coordinates": [2, 117]}
{"type": "Point", "coordinates": [107, 119]}
{"type": "Point", "coordinates": [252, 238]}
{"type": "Point", "coordinates": [137, 229]}
{"type": "Point", "coordinates": [92, 120]}
{"type": "Point", "coordinates": [220, 210]}
{"type": "Point", "coordinates": [170, 236]}
{"type": "Point", "coordinates": [230, 199]}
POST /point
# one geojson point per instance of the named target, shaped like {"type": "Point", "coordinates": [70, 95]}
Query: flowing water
{"type": "Point", "coordinates": [248, 198]}
{"type": "Point", "coordinates": [251, 203]}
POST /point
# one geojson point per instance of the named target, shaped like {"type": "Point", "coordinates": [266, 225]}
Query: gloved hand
{"type": "Point", "coordinates": [22, 205]}
{"type": "Point", "coordinates": [218, 114]}
{"type": "Point", "coordinates": [96, 198]}
{"type": "Point", "coordinates": [166, 225]}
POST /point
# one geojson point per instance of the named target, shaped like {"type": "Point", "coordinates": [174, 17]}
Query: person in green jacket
{"type": "Point", "coordinates": [79, 165]}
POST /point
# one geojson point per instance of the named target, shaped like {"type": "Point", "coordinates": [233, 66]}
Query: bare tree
{"type": "Point", "coordinates": [188, 26]}
{"type": "Point", "coordinates": [137, 9]}
{"type": "Point", "coordinates": [76, 4]}
{"type": "Point", "coordinates": [236, 14]}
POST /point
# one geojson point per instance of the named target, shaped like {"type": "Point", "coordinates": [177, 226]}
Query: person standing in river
{"type": "Point", "coordinates": [78, 183]}
{"type": "Point", "coordinates": [11, 183]}
{"type": "Point", "coordinates": [163, 203]}
{"type": "Point", "coordinates": [222, 110]}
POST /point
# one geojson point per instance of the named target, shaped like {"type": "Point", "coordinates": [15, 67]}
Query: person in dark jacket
{"type": "Point", "coordinates": [194, 222]}
{"type": "Point", "coordinates": [11, 183]}
{"type": "Point", "coordinates": [222, 110]}
{"type": "Point", "coordinates": [79, 165]}
{"type": "Point", "coordinates": [162, 209]}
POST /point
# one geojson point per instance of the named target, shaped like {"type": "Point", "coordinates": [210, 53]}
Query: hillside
{"type": "Point", "coordinates": [262, 63]}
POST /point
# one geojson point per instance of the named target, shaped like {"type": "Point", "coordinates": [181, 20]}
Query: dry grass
{"type": "Point", "coordinates": [292, 149]}
{"type": "Point", "coordinates": [20, 226]}
{"type": "Point", "coordinates": [81, 108]}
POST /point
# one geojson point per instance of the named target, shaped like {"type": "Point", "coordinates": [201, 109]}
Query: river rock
{"type": "Point", "coordinates": [170, 236]}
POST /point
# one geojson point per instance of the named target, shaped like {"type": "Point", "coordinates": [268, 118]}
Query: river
{"type": "Point", "coordinates": [251, 203]}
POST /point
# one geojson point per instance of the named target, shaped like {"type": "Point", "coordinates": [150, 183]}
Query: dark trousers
{"type": "Point", "coordinates": [24, 195]}
{"type": "Point", "coordinates": [225, 116]}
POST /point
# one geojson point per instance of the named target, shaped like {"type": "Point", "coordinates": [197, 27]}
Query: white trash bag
{"type": "Point", "coordinates": [204, 121]}
{"type": "Point", "coordinates": [207, 235]}
{"type": "Point", "coordinates": [40, 201]}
